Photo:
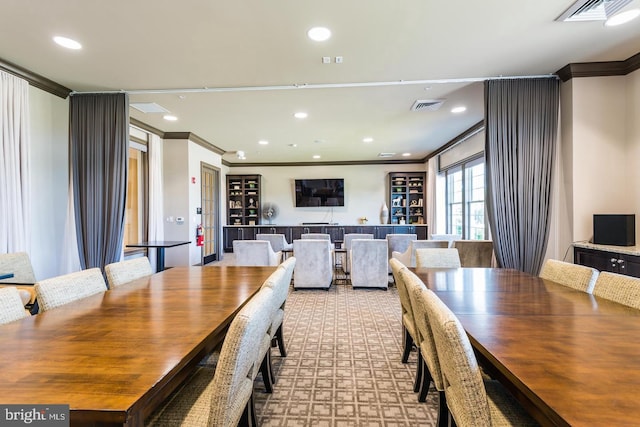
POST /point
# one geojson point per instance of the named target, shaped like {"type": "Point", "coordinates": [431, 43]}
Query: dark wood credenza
{"type": "Point", "coordinates": [615, 259]}
{"type": "Point", "coordinates": [337, 232]}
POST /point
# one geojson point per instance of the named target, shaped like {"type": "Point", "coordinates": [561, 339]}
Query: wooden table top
{"type": "Point", "coordinates": [569, 357]}
{"type": "Point", "coordinates": [113, 357]}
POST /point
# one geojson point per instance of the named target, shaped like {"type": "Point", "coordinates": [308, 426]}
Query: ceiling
{"type": "Point", "coordinates": [234, 73]}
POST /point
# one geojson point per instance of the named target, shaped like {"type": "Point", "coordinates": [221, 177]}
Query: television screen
{"type": "Point", "coordinates": [319, 192]}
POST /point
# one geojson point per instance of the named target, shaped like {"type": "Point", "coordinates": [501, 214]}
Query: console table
{"type": "Point", "coordinates": [337, 232]}
{"type": "Point", "coordinates": [615, 259]}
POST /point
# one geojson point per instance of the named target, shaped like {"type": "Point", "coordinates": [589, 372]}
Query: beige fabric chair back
{"type": "Point", "coordinates": [369, 263]}
{"type": "Point", "coordinates": [461, 375]}
{"type": "Point", "coordinates": [471, 401]}
{"type": "Point", "coordinates": [11, 305]}
{"type": "Point", "coordinates": [474, 253]}
{"type": "Point", "coordinates": [314, 263]}
{"type": "Point", "coordinates": [426, 342]}
{"type": "Point", "coordinates": [437, 258]}
{"type": "Point", "coordinates": [255, 253]}
{"type": "Point", "coordinates": [449, 238]}
{"type": "Point", "coordinates": [278, 241]}
{"type": "Point", "coordinates": [346, 245]}
{"type": "Point", "coordinates": [57, 291]}
{"type": "Point", "coordinates": [409, 332]}
{"type": "Point", "coordinates": [19, 264]}
{"type": "Point", "coordinates": [408, 257]}
{"type": "Point", "coordinates": [618, 288]}
{"type": "Point", "coordinates": [119, 273]}
{"type": "Point", "coordinates": [575, 276]}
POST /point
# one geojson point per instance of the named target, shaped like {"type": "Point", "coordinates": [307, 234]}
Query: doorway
{"type": "Point", "coordinates": [210, 191]}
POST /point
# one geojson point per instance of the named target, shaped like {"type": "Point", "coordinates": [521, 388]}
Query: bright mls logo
{"type": "Point", "coordinates": [34, 415]}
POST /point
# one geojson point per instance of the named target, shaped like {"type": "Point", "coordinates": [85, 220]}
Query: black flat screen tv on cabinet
{"type": "Point", "coordinates": [616, 230]}
{"type": "Point", "coordinates": [319, 192]}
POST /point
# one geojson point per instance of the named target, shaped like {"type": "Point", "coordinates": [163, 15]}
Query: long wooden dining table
{"type": "Point", "coordinates": [569, 357]}
{"type": "Point", "coordinates": [115, 356]}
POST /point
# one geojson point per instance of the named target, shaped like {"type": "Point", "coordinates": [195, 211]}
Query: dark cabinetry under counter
{"type": "Point", "coordinates": [608, 258]}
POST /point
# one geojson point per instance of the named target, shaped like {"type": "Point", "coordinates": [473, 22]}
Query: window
{"type": "Point", "coordinates": [465, 200]}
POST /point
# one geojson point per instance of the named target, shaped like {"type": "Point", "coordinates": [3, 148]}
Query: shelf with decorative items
{"type": "Point", "coordinates": [406, 197]}
{"type": "Point", "coordinates": [243, 195]}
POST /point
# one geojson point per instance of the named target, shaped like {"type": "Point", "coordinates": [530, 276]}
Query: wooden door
{"type": "Point", "coordinates": [210, 216]}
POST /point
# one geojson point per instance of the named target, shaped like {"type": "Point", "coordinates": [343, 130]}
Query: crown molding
{"type": "Point", "coordinates": [35, 80]}
{"type": "Point", "coordinates": [329, 163]}
{"type": "Point", "coordinates": [458, 139]}
{"type": "Point", "coordinates": [599, 69]}
{"type": "Point", "coordinates": [194, 138]}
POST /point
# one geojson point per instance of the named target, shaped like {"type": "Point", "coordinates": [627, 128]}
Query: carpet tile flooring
{"type": "Point", "coordinates": [343, 365]}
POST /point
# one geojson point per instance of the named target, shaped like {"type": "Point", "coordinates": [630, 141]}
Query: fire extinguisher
{"type": "Point", "coordinates": [199, 235]}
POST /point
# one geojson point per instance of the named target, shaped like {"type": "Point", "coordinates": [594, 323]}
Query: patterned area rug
{"type": "Point", "coordinates": [343, 365]}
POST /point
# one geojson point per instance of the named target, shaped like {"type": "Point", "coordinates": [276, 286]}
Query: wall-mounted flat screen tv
{"type": "Point", "coordinates": [319, 192]}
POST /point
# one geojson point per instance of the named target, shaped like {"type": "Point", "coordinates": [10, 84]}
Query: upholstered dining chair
{"type": "Point", "coordinates": [278, 241]}
{"type": "Point", "coordinates": [223, 397]}
{"type": "Point", "coordinates": [11, 305]}
{"type": "Point", "coordinates": [314, 264]}
{"type": "Point", "coordinates": [279, 283]}
{"type": "Point", "coordinates": [408, 323]}
{"type": "Point", "coordinates": [429, 370]}
{"type": "Point", "coordinates": [471, 400]}
{"type": "Point", "coordinates": [449, 238]}
{"type": "Point", "coordinates": [57, 291]}
{"type": "Point", "coordinates": [618, 288]}
{"type": "Point", "coordinates": [369, 263]}
{"type": "Point", "coordinates": [398, 243]}
{"type": "Point", "coordinates": [348, 238]}
{"type": "Point", "coordinates": [408, 257]}
{"type": "Point", "coordinates": [19, 264]}
{"type": "Point", "coordinates": [255, 253]}
{"type": "Point", "coordinates": [437, 258]}
{"type": "Point", "coordinates": [474, 253]}
{"type": "Point", "coordinates": [318, 236]}
{"type": "Point", "coordinates": [119, 273]}
{"type": "Point", "coordinates": [575, 276]}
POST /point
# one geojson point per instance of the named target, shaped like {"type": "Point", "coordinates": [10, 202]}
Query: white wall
{"type": "Point", "coordinates": [182, 161]}
{"type": "Point", "coordinates": [365, 191]}
{"type": "Point", "coordinates": [633, 143]}
{"type": "Point", "coordinates": [600, 173]}
{"type": "Point", "coordinates": [49, 181]}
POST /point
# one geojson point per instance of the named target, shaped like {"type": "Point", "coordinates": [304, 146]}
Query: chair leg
{"type": "Point", "coordinates": [248, 418]}
{"type": "Point", "coordinates": [426, 382]}
{"type": "Point", "coordinates": [419, 373]}
{"type": "Point", "coordinates": [267, 373]}
{"type": "Point", "coordinates": [280, 340]}
{"type": "Point", "coordinates": [443, 411]}
{"type": "Point", "coordinates": [408, 344]}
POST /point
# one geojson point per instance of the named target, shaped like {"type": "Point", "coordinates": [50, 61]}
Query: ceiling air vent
{"type": "Point", "coordinates": [148, 107]}
{"type": "Point", "coordinates": [427, 104]}
{"type": "Point", "coordinates": [386, 154]}
{"type": "Point", "coordinates": [592, 10]}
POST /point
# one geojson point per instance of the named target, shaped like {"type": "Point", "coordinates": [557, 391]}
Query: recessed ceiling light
{"type": "Point", "coordinates": [319, 34]}
{"type": "Point", "coordinates": [67, 42]}
{"type": "Point", "coordinates": [263, 142]}
{"type": "Point", "coordinates": [300, 115]}
{"type": "Point", "coordinates": [170, 118]}
{"type": "Point", "coordinates": [293, 145]}
{"type": "Point", "coordinates": [406, 154]}
{"type": "Point", "coordinates": [316, 156]}
{"type": "Point", "coordinates": [367, 139]}
{"type": "Point", "coordinates": [622, 17]}
{"type": "Point", "coordinates": [458, 109]}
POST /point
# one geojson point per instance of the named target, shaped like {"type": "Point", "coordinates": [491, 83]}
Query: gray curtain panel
{"type": "Point", "coordinates": [99, 142]}
{"type": "Point", "coordinates": [521, 119]}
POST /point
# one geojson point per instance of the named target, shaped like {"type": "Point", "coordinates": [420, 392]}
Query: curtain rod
{"type": "Point", "coordinates": [315, 85]}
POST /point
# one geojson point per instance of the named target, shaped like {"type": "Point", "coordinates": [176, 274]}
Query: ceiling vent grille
{"type": "Point", "coordinates": [592, 10]}
{"type": "Point", "coordinates": [148, 107]}
{"type": "Point", "coordinates": [384, 155]}
{"type": "Point", "coordinates": [427, 104]}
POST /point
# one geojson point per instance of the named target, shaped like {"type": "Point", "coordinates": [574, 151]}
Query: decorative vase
{"type": "Point", "coordinates": [384, 214]}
